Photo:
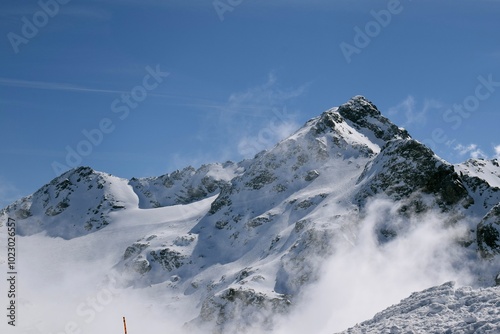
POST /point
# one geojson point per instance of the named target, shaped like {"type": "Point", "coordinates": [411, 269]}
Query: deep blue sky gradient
{"type": "Point", "coordinates": [235, 85]}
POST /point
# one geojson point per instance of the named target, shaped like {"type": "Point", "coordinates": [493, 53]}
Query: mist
{"type": "Point", "coordinates": [66, 286]}
{"type": "Point", "coordinates": [365, 276]}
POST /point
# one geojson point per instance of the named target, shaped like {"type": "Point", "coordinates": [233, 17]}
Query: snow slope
{"type": "Point", "coordinates": [488, 170]}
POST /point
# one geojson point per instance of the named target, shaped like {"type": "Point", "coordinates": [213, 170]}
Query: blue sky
{"type": "Point", "coordinates": [159, 85]}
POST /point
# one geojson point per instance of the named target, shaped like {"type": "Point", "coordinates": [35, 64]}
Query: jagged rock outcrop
{"type": "Point", "coordinates": [184, 186]}
{"type": "Point", "coordinates": [256, 310]}
{"type": "Point", "coordinates": [364, 115]}
{"type": "Point", "coordinates": [406, 167]}
{"type": "Point", "coordinates": [488, 233]}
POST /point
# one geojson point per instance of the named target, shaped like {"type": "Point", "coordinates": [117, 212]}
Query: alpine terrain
{"type": "Point", "coordinates": [344, 218]}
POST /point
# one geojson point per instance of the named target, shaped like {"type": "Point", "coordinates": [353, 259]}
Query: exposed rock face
{"type": "Point", "coordinates": [364, 115]}
{"type": "Point", "coordinates": [484, 196]}
{"type": "Point", "coordinates": [488, 233]}
{"type": "Point", "coordinates": [153, 253]}
{"type": "Point", "coordinates": [486, 170]}
{"type": "Point", "coordinates": [135, 249]}
{"type": "Point", "coordinates": [256, 310]}
{"type": "Point", "coordinates": [404, 167]}
{"type": "Point", "coordinates": [297, 267]}
{"type": "Point", "coordinates": [311, 175]}
{"type": "Point", "coordinates": [184, 186]}
{"type": "Point", "coordinates": [169, 259]}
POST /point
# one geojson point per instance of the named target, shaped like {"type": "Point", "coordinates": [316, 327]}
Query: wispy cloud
{"type": "Point", "coordinates": [52, 86]}
{"type": "Point", "coordinates": [497, 151]}
{"type": "Point", "coordinates": [475, 152]}
{"type": "Point", "coordinates": [259, 100]}
{"type": "Point", "coordinates": [250, 120]}
{"type": "Point", "coordinates": [414, 115]}
{"type": "Point", "coordinates": [59, 86]}
{"type": "Point", "coordinates": [366, 276]}
{"type": "Point", "coordinates": [265, 113]}
{"type": "Point", "coordinates": [494, 54]}
{"type": "Point", "coordinates": [237, 106]}
{"type": "Point", "coordinates": [472, 150]}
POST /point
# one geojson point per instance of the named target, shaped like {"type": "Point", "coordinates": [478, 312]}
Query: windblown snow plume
{"type": "Point", "coordinates": [390, 257]}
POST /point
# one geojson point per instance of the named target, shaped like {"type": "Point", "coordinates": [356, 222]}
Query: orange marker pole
{"type": "Point", "coordinates": [124, 325]}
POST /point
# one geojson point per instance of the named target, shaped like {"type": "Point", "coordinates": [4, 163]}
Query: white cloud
{"type": "Point", "coordinates": [497, 151]}
{"type": "Point", "coordinates": [249, 121]}
{"type": "Point", "coordinates": [364, 276]}
{"type": "Point", "coordinates": [413, 114]}
{"type": "Point", "coordinates": [260, 116]}
{"type": "Point", "coordinates": [472, 150]}
{"type": "Point", "coordinates": [82, 293]}
{"type": "Point", "coordinates": [407, 105]}
{"type": "Point", "coordinates": [276, 130]}
{"type": "Point", "coordinates": [261, 99]}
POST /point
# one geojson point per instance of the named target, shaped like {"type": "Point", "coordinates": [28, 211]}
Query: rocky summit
{"type": "Point", "coordinates": [241, 243]}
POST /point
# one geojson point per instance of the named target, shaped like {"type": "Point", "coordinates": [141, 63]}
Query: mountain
{"type": "Point", "coordinates": [88, 198]}
{"type": "Point", "coordinates": [243, 243]}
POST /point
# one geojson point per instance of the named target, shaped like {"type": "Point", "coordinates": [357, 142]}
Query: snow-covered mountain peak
{"type": "Point", "coordinates": [242, 241]}
{"type": "Point", "coordinates": [364, 116]}
{"type": "Point", "coordinates": [359, 103]}
{"type": "Point", "coordinates": [356, 127]}
{"type": "Point", "coordinates": [73, 204]}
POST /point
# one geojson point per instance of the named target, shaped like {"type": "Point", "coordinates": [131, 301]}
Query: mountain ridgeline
{"type": "Point", "coordinates": [256, 232]}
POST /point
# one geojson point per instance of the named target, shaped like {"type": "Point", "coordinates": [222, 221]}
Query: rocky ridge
{"type": "Point", "coordinates": [273, 218]}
